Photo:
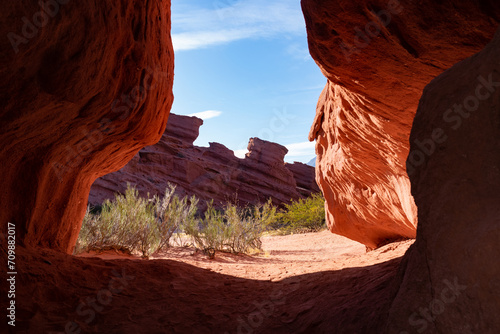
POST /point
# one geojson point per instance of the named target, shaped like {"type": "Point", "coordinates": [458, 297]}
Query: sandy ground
{"type": "Point", "coordinates": [304, 283]}
{"type": "Point", "coordinates": [281, 257]}
{"type": "Point", "coordinates": [291, 255]}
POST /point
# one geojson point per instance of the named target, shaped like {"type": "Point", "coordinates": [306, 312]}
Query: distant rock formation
{"type": "Point", "coordinates": [212, 172]}
{"type": "Point", "coordinates": [378, 55]}
{"type": "Point", "coordinates": [304, 176]}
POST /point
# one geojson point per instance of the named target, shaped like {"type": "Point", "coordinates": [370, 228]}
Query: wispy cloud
{"type": "Point", "coordinates": [195, 27]}
{"type": "Point", "coordinates": [299, 52]}
{"type": "Point", "coordinates": [204, 115]}
{"type": "Point", "coordinates": [301, 149]}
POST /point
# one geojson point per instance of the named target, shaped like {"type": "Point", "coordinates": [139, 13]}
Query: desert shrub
{"type": "Point", "coordinates": [131, 223]}
{"type": "Point", "coordinates": [126, 223]}
{"type": "Point", "coordinates": [209, 233]}
{"type": "Point", "coordinates": [304, 215]}
{"type": "Point", "coordinates": [249, 226]}
{"type": "Point", "coordinates": [173, 214]}
{"type": "Point", "coordinates": [89, 237]}
{"type": "Point", "coordinates": [236, 230]}
{"type": "Point", "coordinates": [134, 224]}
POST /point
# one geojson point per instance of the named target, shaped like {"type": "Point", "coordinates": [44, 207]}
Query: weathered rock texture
{"type": "Point", "coordinates": [209, 172]}
{"type": "Point", "coordinates": [78, 98]}
{"type": "Point", "coordinates": [304, 177]}
{"type": "Point", "coordinates": [375, 79]}
{"type": "Point", "coordinates": [451, 269]}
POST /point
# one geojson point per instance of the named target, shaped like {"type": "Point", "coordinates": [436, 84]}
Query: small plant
{"type": "Point", "coordinates": [304, 215]}
{"type": "Point", "coordinates": [232, 230]}
{"type": "Point", "coordinates": [173, 214]}
{"type": "Point", "coordinates": [127, 223]}
{"type": "Point", "coordinates": [249, 226]}
{"type": "Point", "coordinates": [89, 237]}
{"type": "Point", "coordinates": [209, 234]}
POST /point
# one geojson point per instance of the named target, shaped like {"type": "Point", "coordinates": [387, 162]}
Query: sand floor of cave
{"type": "Point", "coordinates": [315, 282]}
{"type": "Point", "coordinates": [282, 256]}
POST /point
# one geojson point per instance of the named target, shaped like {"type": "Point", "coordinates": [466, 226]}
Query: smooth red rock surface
{"type": "Point", "coordinates": [451, 269]}
{"type": "Point", "coordinates": [209, 173]}
{"type": "Point", "coordinates": [78, 99]}
{"type": "Point", "coordinates": [365, 112]}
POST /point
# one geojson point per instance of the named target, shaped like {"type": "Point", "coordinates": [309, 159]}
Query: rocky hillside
{"type": "Point", "coordinates": [209, 172]}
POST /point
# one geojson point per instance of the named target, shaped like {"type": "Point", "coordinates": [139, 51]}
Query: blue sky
{"type": "Point", "coordinates": [244, 67]}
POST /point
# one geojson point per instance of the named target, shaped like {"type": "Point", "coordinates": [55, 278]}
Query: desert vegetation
{"type": "Point", "coordinates": [145, 226]}
{"type": "Point", "coordinates": [304, 215]}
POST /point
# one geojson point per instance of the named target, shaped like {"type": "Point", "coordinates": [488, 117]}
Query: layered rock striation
{"type": "Point", "coordinates": [209, 173]}
{"type": "Point", "coordinates": [85, 85]}
{"type": "Point", "coordinates": [377, 56]}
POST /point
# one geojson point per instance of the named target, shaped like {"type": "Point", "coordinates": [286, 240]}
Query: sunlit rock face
{"type": "Point", "coordinates": [85, 85]}
{"type": "Point", "coordinates": [378, 55]}
{"type": "Point", "coordinates": [209, 173]}
{"type": "Point", "coordinates": [450, 279]}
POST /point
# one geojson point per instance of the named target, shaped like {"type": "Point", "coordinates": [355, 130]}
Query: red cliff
{"type": "Point", "coordinates": [210, 173]}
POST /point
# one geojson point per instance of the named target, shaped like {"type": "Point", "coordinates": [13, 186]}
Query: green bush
{"type": "Point", "coordinates": [173, 214]}
{"type": "Point", "coordinates": [304, 215]}
{"type": "Point", "coordinates": [134, 224]}
{"type": "Point", "coordinates": [232, 230]}
{"type": "Point", "coordinates": [209, 234]}
{"type": "Point", "coordinates": [90, 235]}
{"type": "Point", "coordinates": [127, 223]}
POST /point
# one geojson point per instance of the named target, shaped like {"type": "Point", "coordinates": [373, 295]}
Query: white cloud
{"type": "Point", "coordinates": [301, 149]}
{"type": "Point", "coordinates": [195, 28]}
{"type": "Point", "coordinates": [240, 153]}
{"type": "Point", "coordinates": [204, 115]}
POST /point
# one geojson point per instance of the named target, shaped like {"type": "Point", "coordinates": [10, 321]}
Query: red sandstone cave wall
{"type": "Point", "coordinates": [449, 277]}
{"type": "Point", "coordinates": [84, 86]}
{"type": "Point", "coordinates": [378, 55]}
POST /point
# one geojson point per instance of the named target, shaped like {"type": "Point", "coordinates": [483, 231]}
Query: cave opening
{"type": "Point", "coordinates": [245, 92]}
{"type": "Point", "coordinates": [88, 88]}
